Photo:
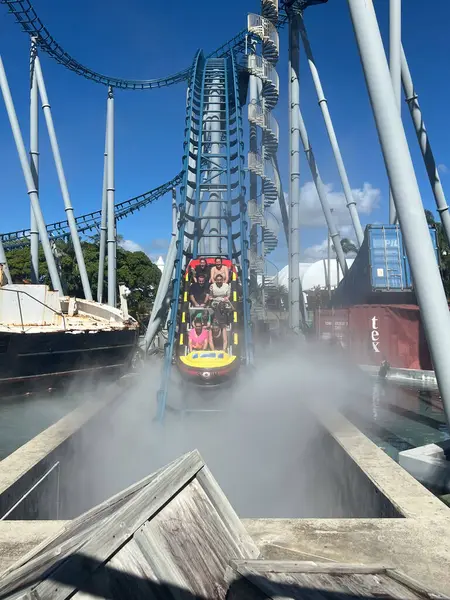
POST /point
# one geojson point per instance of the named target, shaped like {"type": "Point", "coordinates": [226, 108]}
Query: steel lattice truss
{"type": "Point", "coordinates": [31, 24]}
{"type": "Point", "coordinates": [91, 221]}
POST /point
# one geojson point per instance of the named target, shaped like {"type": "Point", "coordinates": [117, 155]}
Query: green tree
{"type": "Point", "coordinates": [134, 269]}
{"type": "Point", "coordinates": [348, 246]}
{"type": "Point", "coordinates": [444, 250]}
{"type": "Point", "coordinates": [318, 297]}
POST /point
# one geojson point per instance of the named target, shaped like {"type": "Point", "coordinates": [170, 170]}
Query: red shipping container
{"type": "Point", "coordinates": [329, 324]}
{"type": "Point", "coordinates": [388, 332]}
{"type": "Point", "coordinates": [373, 333]}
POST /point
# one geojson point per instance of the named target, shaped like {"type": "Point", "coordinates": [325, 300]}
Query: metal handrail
{"type": "Point", "coordinates": [32, 488]}
{"type": "Point", "coordinates": [61, 314]}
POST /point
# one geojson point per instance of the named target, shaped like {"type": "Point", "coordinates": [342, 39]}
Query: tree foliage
{"type": "Point", "coordinates": [444, 250]}
{"type": "Point", "coordinates": [348, 246]}
{"type": "Point", "coordinates": [318, 297]}
{"type": "Point", "coordinates": [134, 269]}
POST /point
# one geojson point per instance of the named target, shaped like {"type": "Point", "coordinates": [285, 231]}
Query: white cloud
{"type": "Point", "coordinates": [311, 215]}
{"type": "Point", "coordinates": [316, 252]}
{"type": "Point", "coordinates": [367, 199]}
{"type": "Point", "coordinates": [160, 243]}
{"type": "Point", "coordinates": [131, 246]}
{"type": "Point", "coordinates": [319, 251]}
{"type": "Point", "coordinates": [443, 168]}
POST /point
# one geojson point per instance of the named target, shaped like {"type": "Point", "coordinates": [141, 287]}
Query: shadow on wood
{"type": "Point", "coordinates": [298, 581]}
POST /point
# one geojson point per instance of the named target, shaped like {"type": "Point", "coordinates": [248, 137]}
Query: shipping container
{"type": "Point", "coordinates": [331, 324]}
{"type": "Point", "coordinates": [375, 333]}
{"type": "Point", "coordinates": [380, 273]}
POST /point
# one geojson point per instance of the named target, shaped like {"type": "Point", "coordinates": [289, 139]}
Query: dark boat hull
{"type": "Point", "coordinates": [31, 362]}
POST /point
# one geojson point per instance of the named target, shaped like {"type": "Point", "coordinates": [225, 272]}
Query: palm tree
{"type": "Point", "coordinates": [348, 246]}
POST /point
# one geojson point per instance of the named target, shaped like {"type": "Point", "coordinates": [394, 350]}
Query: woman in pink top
{"type": "Point", "coordinates": [198, 337]}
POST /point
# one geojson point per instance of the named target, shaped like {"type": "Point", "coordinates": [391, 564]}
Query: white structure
{"type": "Point", "coordinates": [314, 274]}
{"type": "Point", "coordinates": [160, 264]}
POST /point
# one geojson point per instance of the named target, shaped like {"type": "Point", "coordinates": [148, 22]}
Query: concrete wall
{"type": "Point", "coordinates": [338, 469]}
{"type": "Point", "coordinates": [371, 482]}
{"type": "Point", "coordinates": [52, 462]}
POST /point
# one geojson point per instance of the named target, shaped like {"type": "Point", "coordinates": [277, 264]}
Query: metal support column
{"type": "Point", "coordinates": [350, 200]}
{"type": "Point", "coordinates": [62, 181]}
{"type": "Point", "coordinates": [103, 224]}
{"type": "Point", "coordinates": [425, 271]}
{"type": "Point", "coordinates": [253, 146]}
{"type": "Point", "coordinates": [395, 46]}
{"type": "Point", "coordinates": [4, 263]}
{"type": "Point", "coordinates": [34, 160]}
{"type": "Point", "coordinates": [174, 211]}
{"type": "Point", "coordinates": [31, 189]}
{"type": "Point", "coordinates": [294, 172]}
{"type": "Point", "coordinates": [333, 233]}
{"type": "Point", "coordinates": [110, 201]}
{"type": "Point", "coordinates": [424, 143]}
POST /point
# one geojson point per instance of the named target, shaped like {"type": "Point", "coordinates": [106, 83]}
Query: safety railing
{"type": "Point", "coordinates": [34, 487]}
{"type": "Point", "coordinates": [262, 68]}
{"type": "Point", "coordinates": [265, 120]}
{"type": "Point", "coordinates": [19, 292]}
{"type": "Point", "coordinates": [264, 29]}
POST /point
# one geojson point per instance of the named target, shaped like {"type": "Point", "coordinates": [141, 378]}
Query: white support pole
{"type": "Point", "coordinates": [174, 212]}
{"type": "Point", "coordinates": [350, 200]}
{"type": "Point", "coordinates": [294, 171]}
{"type": "Point", "coordinates": [333, 234]}
{"type": "Point", "coordinates": [103, 225]}
{"type": "Point", "coordinates": [395, 46]}
{"type": "Point", "coordinates": [433, 174]}
{"type": "Point", "coordinates": [62, 181]}
{"type": "Point", "coordinates": [34, 160]}
{"type": "Point", "coordinates": [31, 189]}
{"type": "Point", "coordinates": [419, 247]}
{"type": "Point", "coordinates": [110, 191]}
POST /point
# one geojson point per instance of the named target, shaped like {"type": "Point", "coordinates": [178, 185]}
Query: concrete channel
{"type": "Point", "coordinates": [389, 517]}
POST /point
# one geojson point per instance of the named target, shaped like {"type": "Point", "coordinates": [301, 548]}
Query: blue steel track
{"type": "Point", "coordinates": [213, 180]}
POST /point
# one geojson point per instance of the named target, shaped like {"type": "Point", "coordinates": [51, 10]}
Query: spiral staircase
{"type": "Point", "coordinates": [263, 28]}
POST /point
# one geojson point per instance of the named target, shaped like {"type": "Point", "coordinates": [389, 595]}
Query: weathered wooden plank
{"type": "Point", "coordinates": [114, 531]}
{"type": "Point", "coordinates": [415, 585]}
{"type": "Point", "coordinates": [273, 589]}
{"type": "Point", "coordinates": [35, 569]}
{"type": "Point", "coordinates": [154, 550]}
{"type": "Point", "coordinates": [296, 566]}
{"type": "Point", "coordinates": [84, 523]}
{"type": "Point", "coordinates": [126, 575]}
{"type": "Point", "coordinates": [227, 513]}
{"type": "Point", "coordinates": [240, 588]}
{"type": "Point", "coordinates": [131, 576]}
{"type": "Point", "coordinates": [192, 543]}
{"type": "Point", "coordinates": [294, 579]}
{"type": "Point", "coordinates": [376, 585]}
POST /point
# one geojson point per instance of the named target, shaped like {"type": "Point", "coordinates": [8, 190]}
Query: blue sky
{"type": "Point", "coordinates": [147, 40]}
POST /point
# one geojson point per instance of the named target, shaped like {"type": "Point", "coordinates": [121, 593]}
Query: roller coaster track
{"type": "Point", "coordinates": [212, 195]}
{"type": "Point", "coordinates": [91, 221]}
{"type": "Point", "coordinates": [31, 24]}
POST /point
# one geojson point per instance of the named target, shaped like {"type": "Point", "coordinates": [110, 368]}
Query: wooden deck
{"type": "Point", "coordinates": [260, 579]}
{"type": "Point", "coordinates": [174, 535]}
{"type": "Point", "coordinates": [171, 535]}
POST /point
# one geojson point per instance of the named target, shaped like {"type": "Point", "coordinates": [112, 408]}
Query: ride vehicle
{"type": "Point", "coordinates": [209, 367]}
